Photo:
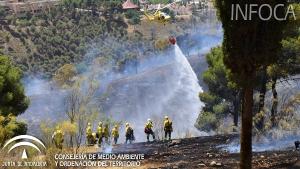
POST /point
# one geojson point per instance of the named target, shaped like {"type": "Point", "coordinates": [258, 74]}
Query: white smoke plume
{"type": "Point", "coordinates": [158, 84]}
{"type": "Point", "coordinates": [281, 137]}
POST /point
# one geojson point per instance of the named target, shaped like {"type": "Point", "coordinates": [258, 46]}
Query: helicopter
{"type": "Point", "coordinates": [158, 15]}
{"type": "Point", "coordinates": [161, 17]}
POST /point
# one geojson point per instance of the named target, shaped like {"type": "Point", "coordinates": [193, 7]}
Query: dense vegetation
{"type": "Point", "coordinates": [13, 101]}
{"type": "Point", "coordinates": [160, 1]}
{"type": "Point", "coordinates": [59, 44]}
{"type": "Point", "coordinates": [40, 44]}
{"type": "Point", "coordinates": [255, 55]}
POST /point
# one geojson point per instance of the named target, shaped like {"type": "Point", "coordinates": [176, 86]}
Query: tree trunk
{"type": "Point", "coordinates": [236, 116]}
{"type": "Point", "coordinates": [261, 117]}
{"type": "Point", "coordinates": [274, 103]}
{"type": "Point", "coordinates": [236, 109]}
{"type": "Point", "coordinates": [246, 129]}
{"type": "Point", "coordinates": [71, 140]}
{"type": "Point", "coordinates": [71, 135]}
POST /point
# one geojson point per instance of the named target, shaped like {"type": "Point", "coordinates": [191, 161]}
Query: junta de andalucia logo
{"type": "Point", "coordinates": [24, 143]}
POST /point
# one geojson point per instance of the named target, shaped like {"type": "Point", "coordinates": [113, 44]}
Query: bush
{"type": "Point", "coordinates": [10, 127]}
{"type": "Point", "coordinates": [207, 121]}
{"type": "Point", "coordinates": [133, 16]}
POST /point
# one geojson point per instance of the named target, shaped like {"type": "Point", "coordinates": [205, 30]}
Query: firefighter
{"type": "Point", "coordinates": [297, 143]}
{"type": "Point", "coordinates": [148, 130]}
{"type": "Point", "coordinates": [58, 138]}
{"type": "Point", "coordinates": [168, 127]}
{"type": "Point", "coordinates": [105, 133]}
{"type": "Point", "coordinates": [129, 133]}
{"type": "Point", "coordinates": [115, 134]}
{"type": "Point", "coordinates": [89, 134]}
{"type": "Point", "coordinates": [99, 133]}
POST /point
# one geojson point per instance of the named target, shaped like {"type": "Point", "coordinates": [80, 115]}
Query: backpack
{"type": "Point", "coordinates": [129, 132]}
{"type": "Point", "coordinates": [168, 126]}
{"type": "Point", "coordinates": [147, 130]}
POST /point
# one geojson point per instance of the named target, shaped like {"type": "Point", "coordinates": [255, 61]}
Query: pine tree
{"type": "Point", "coordinates": [222, 97]}
{"type": "Point", "coordinates": [248, 46]}
{"type": "Point", "coordinates": [12, 96]}
{"type": "Point", "coordinates": [13, 101]}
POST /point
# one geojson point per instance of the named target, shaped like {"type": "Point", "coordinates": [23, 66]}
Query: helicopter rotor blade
{"type": "Point", "coordinates": [158, 8]}
{"type": "Point", "coordinates": [168, 5]}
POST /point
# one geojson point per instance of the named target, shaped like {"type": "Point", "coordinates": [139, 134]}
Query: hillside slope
{"type": "Point", "coordinates": [200, 152]}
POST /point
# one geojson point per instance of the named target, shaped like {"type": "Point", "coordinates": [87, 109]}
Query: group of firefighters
{"type": "Point", "coordinates": [102, 133]}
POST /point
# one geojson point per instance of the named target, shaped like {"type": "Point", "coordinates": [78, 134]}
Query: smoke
{"type": "Point", "coordinates": [106, 148]}
{"type": "Point", "coordinates": [266, 143]}
{"type": "Point", "coordinates": [152, 85]}
{"type": "Point", "coordinates": [46, 103]}
{"type": "Point", "coordinates": [170, 89]}
{"type": "Point", "coordinates": [286, 133]}
{"type": "Point", "coordinates": [163, 85]}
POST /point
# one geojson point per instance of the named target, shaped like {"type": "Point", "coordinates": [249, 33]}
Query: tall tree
{"type": "Point", "coordinates": [287, 65]}
{"type": "Point", "coordinates": [12, 96]}
{"type": "Point", "coordinates": [77, 109]}
{"type": "Point", "coordinates": [248, 46]}
{"type": "Point", "coordinates": [222, 97]}
{"type": "Point", "coordinates": [259, 117]}
{"type": "Point", "coordinates": [13, 101]}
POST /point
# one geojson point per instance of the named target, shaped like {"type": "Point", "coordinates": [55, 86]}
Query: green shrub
{"type": "Point", "coordinates": [207, 121]}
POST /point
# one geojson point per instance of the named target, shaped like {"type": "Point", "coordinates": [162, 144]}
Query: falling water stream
{"type": "Point", "coordinates": [160, 85]}
{"type": "Point", "coordinates": [171, 89]}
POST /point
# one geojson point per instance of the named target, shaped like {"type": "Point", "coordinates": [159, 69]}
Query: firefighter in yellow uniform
{"type": "Point", "coordinates": [89, 134]}
{"type": "Point", "coordinates": [99, 133]}
{"type": "Point", "coordinates": [168, 127]}
{"type": "Point", "coordinates": [58, 138]}
{"type": "Point", "coordinates": [129, 134]}
{"type": "Point", "coordinates": [148, 129]}
{"type": "Point", "coordinates": [115, 134]}
{"type": "Point", "coordinates": [105, 133]}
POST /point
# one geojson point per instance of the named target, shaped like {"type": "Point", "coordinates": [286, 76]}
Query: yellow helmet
{"type": "Point", "coordinates": [116, 126]}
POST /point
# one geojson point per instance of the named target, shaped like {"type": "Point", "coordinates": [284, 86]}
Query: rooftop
{"type": "Point", "coordinates": [129, 5]}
